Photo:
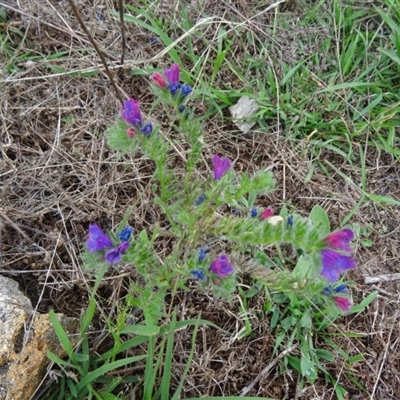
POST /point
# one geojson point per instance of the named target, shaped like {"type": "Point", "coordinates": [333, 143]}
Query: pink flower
{"type": "Point", "coordinates": [158, 79]}
{"type": "Point", "coordinates": [268, 212]}
{"type": "Point", "coordinates": [343, 303]}
{"type": "Point", "coordinates": [340, 240]}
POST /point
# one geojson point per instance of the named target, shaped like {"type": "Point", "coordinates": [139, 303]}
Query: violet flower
{"type": "Point", "coordinates": [334, 264]}
{"type": "Point", "coordinates": [131, 114]}
{"type": "Point", "coordinates": [97, 239]}
{"type": "Point", "coordinates": [221, 266]}
{"type": "Point", "coordinates": [114, 256]}
{"type": "Point", "coordinates": [221, 165]}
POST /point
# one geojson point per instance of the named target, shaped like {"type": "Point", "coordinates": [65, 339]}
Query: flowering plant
{"type": "Point", "coordinates": [213, 246]}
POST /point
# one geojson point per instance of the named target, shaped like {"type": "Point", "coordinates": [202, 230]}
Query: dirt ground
{"type": "Point", "coordinates": [58, 176]}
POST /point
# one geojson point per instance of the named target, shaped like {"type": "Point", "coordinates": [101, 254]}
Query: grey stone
{"type": "Point", "coordinates": [25, 338]}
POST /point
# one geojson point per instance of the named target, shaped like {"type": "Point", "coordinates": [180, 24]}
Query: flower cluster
{"type": "Point", "coordinates": [220, 266]}
{"type": "Point", "coordinates": [170, 81]}
{"type": "Point", "coordinates": [132, 115]}
{"type": "Point", "coordinates": [336, 257]}
{"type": "Point", "coordinates": [342, 302]}
{"type": "Point", "coordinates": [99, 241]}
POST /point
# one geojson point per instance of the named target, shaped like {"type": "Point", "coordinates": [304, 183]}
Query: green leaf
{"type": "Point", "coordinates": [325, 354]}
{"type": "Point", "coordinates": [383, 199]}
{"type": "Point", "coordinates": [143, 330]}
{"type": "Point", "coordinates": [364, 304]}
{"type": "Point", "coordinates": [57, 360]}
{"type": "Point", "coordinates": [107, 368]}
{"type": "Point", "coordinates": [308, 369]}
{"type": "Point", "coordinates": [62, 335]}
{"type": "Point", "coordinates": [320, 219]}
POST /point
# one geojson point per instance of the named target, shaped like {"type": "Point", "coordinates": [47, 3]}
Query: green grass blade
{"type": "Point", "coordinates": [92, 376]}
{"type": "Point", "coordinates": [189, 363]}
{"type": "Point", "coordinates": [167, 372]}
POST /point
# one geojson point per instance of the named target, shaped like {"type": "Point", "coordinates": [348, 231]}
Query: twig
{"type": "Point", "coordinates": [99, 52]}
{"type": "Point", "coordinates": [382, 278]}
{"type": "Point", "coordinates": [380, 290]}
{"type": "Point", "coordinates": [266, 370]}
{"type": "Point", "coordinates": [121, 19]}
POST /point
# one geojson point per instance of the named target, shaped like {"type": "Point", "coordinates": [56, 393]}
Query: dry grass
{"type": "Point", "coordinates": [58, 175]}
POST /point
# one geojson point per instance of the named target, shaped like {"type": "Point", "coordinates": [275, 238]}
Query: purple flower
{"type": "Point", "coordinates": [334, 264]}
{"type": "Point", "coordinates": [97, 239]}
{"type": "Point", "coordinates": [172, 74]}
{"type": "Point", "coordinates": [114, 256]}
{"type": "Point", "coordinates": [221, 266]}
{"type": "Point", "coordinates": [340, 240]}
{"type": "Point", "coordinates": [221, 165]}
{"type": "Point", "coordinates": [125, 234]}
{"type": "Point", "coordinates": [132, 115]}
{"type": "Point", "coordinates": [198, 274]}
{"type": "Point", "coordinates": [343, 303]}
{"type": "Point", "coordinates": [131, 112]}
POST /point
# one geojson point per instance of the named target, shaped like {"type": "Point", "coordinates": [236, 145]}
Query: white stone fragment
{"type": "Point", "coordinates": [243, 109]}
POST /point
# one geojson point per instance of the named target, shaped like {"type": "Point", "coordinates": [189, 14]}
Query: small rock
{"type": "Point", "coordinates": [244, 108]}
{"type": "Point", "coordinates": [23, 354]}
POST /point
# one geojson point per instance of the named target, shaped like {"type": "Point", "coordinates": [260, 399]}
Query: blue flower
{"type": "Point", "coordinates": [147, 129]}
{"type": "Point", "coordinates": [254, 212]}
{"type": "Point", "coordinates": [174, 87]}
{"type": "Point", "coordinates": [290, 220]}
{"type": "Point", "coordinates": [198, 274]}
{"type": "Point", "coordinates": [185, 90]}
{"type": "Point", "coordinates": [201, 199]}
{"type": "Point", "coordinates": [202, 253]}
{"type": "Point", "coordinates": [327, 291]}
{"type": "Point", "coordinates": [342, 288]}
{"type": "Point", "coordinates": [125, 234]}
